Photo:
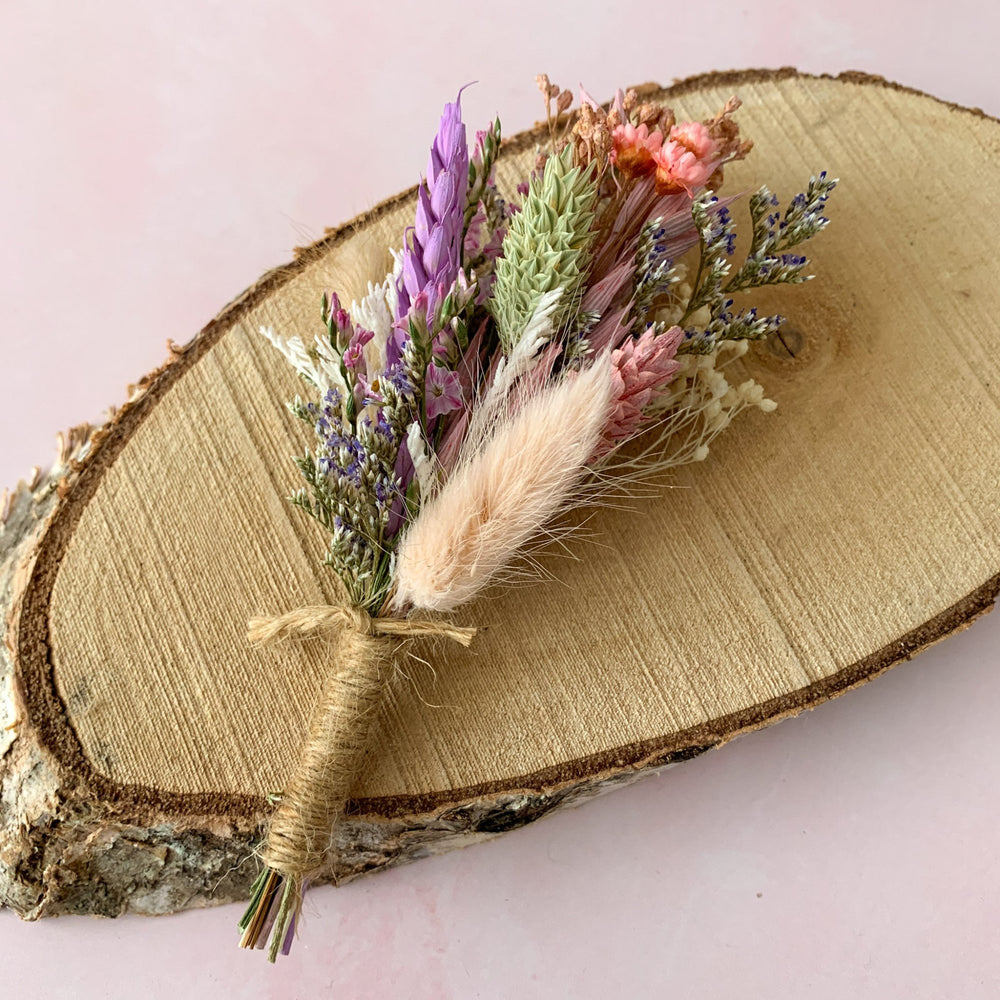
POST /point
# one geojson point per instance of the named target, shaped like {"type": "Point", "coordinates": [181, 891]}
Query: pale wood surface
{"type": "Point", "coordinates": [807, 553]}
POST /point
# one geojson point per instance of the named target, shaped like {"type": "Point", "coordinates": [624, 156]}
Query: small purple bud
{"type": "Point", "coordinates": [414, 277]}
{"type": "Point", "coordinates": [425, 214]}
{"type": "Point", "coordinates": [395, 346]}
{"type": "Point", "coordinates": [435, 251]}
{"type": "Point", "coordinates": [443, 196]}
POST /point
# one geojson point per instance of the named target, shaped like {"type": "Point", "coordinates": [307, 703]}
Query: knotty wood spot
{"type": "Point", "coordinates": [786, 343]}
{"type": "Point", "coordinates": [790, 350]}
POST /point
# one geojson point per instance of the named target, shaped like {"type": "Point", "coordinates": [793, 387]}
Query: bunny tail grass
{"type": "Point", "coordinates": [503, 491]}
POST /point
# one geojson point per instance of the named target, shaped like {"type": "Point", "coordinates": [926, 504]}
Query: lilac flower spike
{"type": "Point", "coordinates": [431, 260]}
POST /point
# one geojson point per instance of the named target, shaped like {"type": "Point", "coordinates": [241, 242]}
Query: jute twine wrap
{"type": "Point", "coordinates": [341, 726]}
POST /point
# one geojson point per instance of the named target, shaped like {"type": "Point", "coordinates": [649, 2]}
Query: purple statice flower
{"type": "Point", "coordinates": [442, 390]}
{"type": "Point", "coordinates": [398, 376]}
{"type": "Point", "coordinates": [341, 454]}
{"type": "Point", "coordinates": [432, 259]}
{"type": "Point", "coordinates": [722, 231]}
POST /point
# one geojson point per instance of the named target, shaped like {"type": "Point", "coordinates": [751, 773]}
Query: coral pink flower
{"type": "Point", "coordinates": [640, 369]}
{"type": "Point", "coordinates": [686, 160]}
{"type": "Point", "coordinates": [635, 149]}
{"type": "Point", "coordinates": [696, 138]}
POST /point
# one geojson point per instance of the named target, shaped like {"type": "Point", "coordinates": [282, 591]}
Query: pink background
{"type": "Point", "coordinates": [155, 159]}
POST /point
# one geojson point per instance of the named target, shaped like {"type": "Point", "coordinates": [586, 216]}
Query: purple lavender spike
{"type": "Point", "coordinates": [435, 251]}
{"type": "Point", "coordinates": [433, 255]}
{"type": "Point", "coordinates": [414, 277]}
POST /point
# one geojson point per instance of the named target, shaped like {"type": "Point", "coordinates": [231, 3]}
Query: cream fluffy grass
{"type": "Point", "coordinates": [503, 491]}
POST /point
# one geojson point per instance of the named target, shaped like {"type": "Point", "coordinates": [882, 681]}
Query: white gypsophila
{"type": "Point", "coordinates": [672, 312]}
{"type": "Point", "coordinates": [701, 403]}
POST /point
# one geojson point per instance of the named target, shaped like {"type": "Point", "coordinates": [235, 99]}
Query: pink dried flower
{"type": "Point", "coordinates": [355, 349]}
{"type": "Point", "coordinates": [696, 138]}
{"type": "Point", "coordinates": [476, 234]}
{"type": "Point", "coordinates": [635, 149]}
{"type": "Point", "coordinates": [640, 368]}
{"type": "Point", "coordinates": [686, 160]}
{"type": "Point", "coordinates": [443, 389]}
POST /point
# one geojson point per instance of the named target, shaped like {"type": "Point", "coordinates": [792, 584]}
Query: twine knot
{"type": "Point", "coordinates": [339, 617]}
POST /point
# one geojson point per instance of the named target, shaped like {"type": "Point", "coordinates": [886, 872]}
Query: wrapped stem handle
{"type": "Point", "coordinates": [340, 731]}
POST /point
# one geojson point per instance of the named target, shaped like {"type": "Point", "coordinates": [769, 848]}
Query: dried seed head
{"type": "Point", "coordinates": [647, 114]}
{"type": "Point", "coordinates": [726, 133]}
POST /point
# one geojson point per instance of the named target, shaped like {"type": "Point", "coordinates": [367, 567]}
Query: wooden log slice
{"type": "Point", "coordinates": [815, 548]}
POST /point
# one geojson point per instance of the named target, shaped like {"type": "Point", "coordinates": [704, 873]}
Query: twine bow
{"type": "Point", "coordinates": [321, 618]}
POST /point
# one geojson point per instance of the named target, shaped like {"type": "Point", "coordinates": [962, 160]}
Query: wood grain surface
{"type": "Point", "coordinates": [814, 548]}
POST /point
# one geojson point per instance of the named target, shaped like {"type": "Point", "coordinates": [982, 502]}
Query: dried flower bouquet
{"type": "Point", "coordinates": [489, 382]}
